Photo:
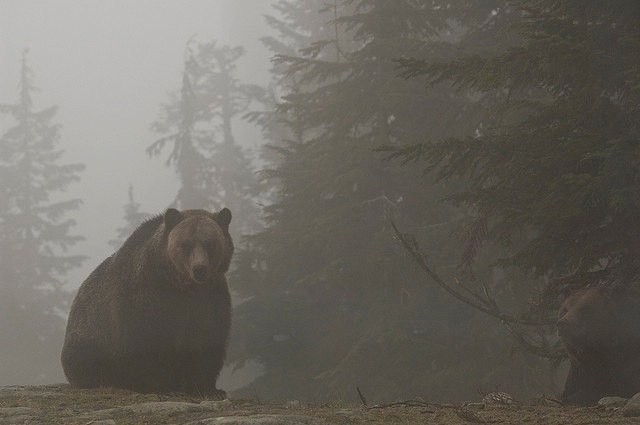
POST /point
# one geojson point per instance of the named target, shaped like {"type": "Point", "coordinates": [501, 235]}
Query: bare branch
{"type": "Point", "coordinates": [487, 306]}
{"type": "Point", "coordinates": [362, 399]}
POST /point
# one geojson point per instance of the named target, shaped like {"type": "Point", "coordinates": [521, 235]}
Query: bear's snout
{"type": "Point", "coordinates": [199, 273]}
{"type": "Point", "coordinates": [199, 263]}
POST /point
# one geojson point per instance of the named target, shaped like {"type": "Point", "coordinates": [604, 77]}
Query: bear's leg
{"type": "Point", "coordinates": [86, 365]}
{"type": "Point", "coordinates": [581, 388]}
{"type": "Point", "coordinates": [148, 372]}
{"type": "Point", "coordinates": [203, 372]}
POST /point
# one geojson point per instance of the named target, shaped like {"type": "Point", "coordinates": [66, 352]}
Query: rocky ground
{"type": "Point", "coordinates": [61, 404]}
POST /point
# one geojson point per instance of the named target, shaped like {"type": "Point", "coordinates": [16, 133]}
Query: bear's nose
{"type": "Point", "coordinates": [199, 273]}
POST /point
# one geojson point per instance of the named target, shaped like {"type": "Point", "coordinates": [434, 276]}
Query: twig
{"type": "Point", "coordinates": [553, 400]}
{"type": "Point", "coordinates": [256, 396]}
{"type": "Point", "coordinates": [408, 403]}
{"type": "Point", "coordinates": [469, 416]}
{"type": "Point", "coordinates": [362, 399]}
{"type": "Point", "coordinates": [473, 294]}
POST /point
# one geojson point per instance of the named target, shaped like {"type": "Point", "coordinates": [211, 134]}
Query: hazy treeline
{"type": "Point", "coordinates": [35, 237]}
{"type": "Point", "coordinates": [503, 135]}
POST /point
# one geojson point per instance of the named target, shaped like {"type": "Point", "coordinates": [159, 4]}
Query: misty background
{"type": "Point", "coordinates": [109, 66]}
{"type": "Point", "coordinates": [493, 142]}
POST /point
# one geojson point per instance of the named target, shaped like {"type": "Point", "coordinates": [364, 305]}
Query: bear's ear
{"type": "Point", "coordinates": [224, 218]}
{"type": "Point", "coordinates": [171, 218]}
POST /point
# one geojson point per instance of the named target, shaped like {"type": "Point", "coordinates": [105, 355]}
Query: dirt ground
{"type": "Point", "coordinates": [61, 404]}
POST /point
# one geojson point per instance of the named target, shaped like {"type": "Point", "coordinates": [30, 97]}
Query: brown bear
{"type": "Point", "coordinates": [155, 316]}
{"type": "Point", "coordinates": [600, 329]}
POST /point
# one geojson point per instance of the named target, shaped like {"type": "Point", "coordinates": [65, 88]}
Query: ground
{"type": "Point", "coordinates": [61, 404]}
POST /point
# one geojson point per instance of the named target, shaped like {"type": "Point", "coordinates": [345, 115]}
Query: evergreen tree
{"type": "Point", "coordinates": [180, 124]}
{"type": "Point", "coordinates": [35, 236]}
{"type": "Point", "coordinates": [214, 170]}
{"type": "Point", "coordinates": [231, 170]}
{"type": "Point", "coordinates": [557, 160]}
{"type": "Point", "coordinates": [133, 217]}
{"type": "Point", "coordinates": [336, 298]}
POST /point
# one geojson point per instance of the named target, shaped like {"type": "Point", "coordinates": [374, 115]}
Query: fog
{"type": "Point", "coordinates": [417, 189]}
{"type": "Point", "coordinates": [109, 66]}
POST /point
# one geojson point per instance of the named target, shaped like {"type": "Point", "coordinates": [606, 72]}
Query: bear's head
{"type": "Point", "coordinates": [587, 320]}
{"type": "Point", "coordinates": [198, 244]}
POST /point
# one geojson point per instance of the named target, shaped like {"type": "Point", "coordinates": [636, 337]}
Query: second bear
{"type": "Point", "coordinates": [600, 329]}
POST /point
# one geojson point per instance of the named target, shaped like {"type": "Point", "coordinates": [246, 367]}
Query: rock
{"type": "Point", "coordinates": [475, 406]}
{"type": "Point", "coordinates": [216, 405]}
{"type": "Point", "coordinates": [612, 402]}
{"type": "Point", "coordinates": [19, 415]}
{"type": "Point", "coordinates": [632, 408]}
{"type": "Point", "coordinates": [498, 398]}
{"type": "Point", "coordinates": [18, 411]}
{"type": "Point", "coordinates": [44, 391]}
{"type": "Point", "coordinates": [152, 407]}
{"type": "Point", "coordinates": [18, 420]}
{"type": "Point", "coordinates": [343, 412]}
{"type": "Point", "coordinates": [261, 420]}
{"type": "Point", "coordinates": [103, 422]}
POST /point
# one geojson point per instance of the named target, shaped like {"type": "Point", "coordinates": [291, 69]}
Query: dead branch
{"type": "Point", "coordinates": [473, 294]}
{"type": "Point", "coordinates": [553, 400]}
{"type": "Point", "coordinates": [408, 403]}
{"type": "Point", "coordinates": [486, 305]}
{"type": "Point", "coordinates": [362, 399]}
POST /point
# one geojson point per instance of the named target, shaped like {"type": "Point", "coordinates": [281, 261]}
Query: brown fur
{"type": "Point", "coordinates": [155, 316]}
{"type": "Point", "coordinates": [600, 329]}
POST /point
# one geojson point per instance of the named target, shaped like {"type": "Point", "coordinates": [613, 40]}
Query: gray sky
{"type": "Point", "coordinates": [108, 65]}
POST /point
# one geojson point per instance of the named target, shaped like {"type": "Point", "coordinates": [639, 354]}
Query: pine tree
{"type": "Point", "coordinates": [35, 236]}
{"type": "Point", "coordinates": [214, 170]}
{"type": "Point", "coordinates": [133, 217]}
{"type": "Point", "coordinates": [234, 182]}
{"type": "Point", "coordinates": [178, 123]}
{"type": "Point", "coordinates": [336, 298]}
{"type": "Point", "coordinates": [557, 160]}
